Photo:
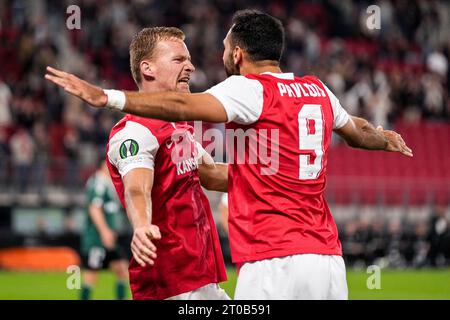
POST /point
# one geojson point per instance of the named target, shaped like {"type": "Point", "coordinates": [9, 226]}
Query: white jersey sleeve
{"type": "Point", "coordinates": [241, 97]}
{"type": "Point", "coordinates": [133, 147]}
{"type": "Point", "coordinates": [340, 115]}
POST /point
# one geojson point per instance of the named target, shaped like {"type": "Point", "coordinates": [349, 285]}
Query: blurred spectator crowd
{"type": "Point", "coordinates": [396, 73]}
{"type": "Point", "coordinates": [397, 243]}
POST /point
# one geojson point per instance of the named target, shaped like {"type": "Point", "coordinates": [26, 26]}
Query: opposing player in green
{"type": "Point", "coordinates": [99, 247]}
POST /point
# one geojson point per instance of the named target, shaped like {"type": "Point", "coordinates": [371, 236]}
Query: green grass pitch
{"type": "Point", "coordinates": [395, 284]}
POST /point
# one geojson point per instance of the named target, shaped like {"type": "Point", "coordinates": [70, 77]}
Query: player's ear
{"type": "Point", "coordinates": [146, 68]}
{"type": "Point", "coordinates": [238, 55]}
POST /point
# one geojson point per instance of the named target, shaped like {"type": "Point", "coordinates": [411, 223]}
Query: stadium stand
{"type": "Point", "coordinates": [397, 77]}
{"type": "Point", "coordinates": [379, 178]}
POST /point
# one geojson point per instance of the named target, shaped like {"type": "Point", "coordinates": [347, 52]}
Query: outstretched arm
{"type": "Point", "coordinates": [169, 106]}
{"type": "Point", "coordinates": [359, 133]}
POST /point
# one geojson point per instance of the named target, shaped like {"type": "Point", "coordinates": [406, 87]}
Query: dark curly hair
{"type": "Point", "coordinates": [259, 34]}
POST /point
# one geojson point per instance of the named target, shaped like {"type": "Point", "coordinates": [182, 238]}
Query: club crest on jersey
{"type": "Point", "coordinates": [179, 136]}
{"type": "Point", "coordinates": [169, 144]}
{"type": "Point", "coordinates": [128, 148]}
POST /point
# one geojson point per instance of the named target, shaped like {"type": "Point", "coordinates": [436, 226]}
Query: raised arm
{"type": "Point", "coordinates": [169, 106]}
{"type": "Point", "coordinates": [174, 106]}
{"type": "Point", "coordinates": [359, 133]}
{"type": "Point", "coordinates": [138, 185]}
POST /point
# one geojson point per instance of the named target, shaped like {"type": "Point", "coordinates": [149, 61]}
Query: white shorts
{"type": "Point", "coordinates": [296, 277]}
{"type": "Point", "coordinates": [211, 291]}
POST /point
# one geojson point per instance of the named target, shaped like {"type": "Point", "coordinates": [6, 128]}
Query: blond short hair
{"type": "Point", "coordinates": [144, 43]}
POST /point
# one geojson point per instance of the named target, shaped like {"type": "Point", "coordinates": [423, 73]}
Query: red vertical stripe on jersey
{"type": "Point", "coordinates": [311, 126]}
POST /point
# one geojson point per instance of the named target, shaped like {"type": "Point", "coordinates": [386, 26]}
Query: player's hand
{"type": "Point", "coordinates": [108, 238]}
{"type": "Point", "coordinates": [395, 142]}
{"type": "Point", "coordinates": [87, 92]}
{"type": "Point", "coordinates": [142, 247]}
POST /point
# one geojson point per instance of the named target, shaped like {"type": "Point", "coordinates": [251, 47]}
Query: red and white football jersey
{"type": "Point", "coordinates": [276, 204]}
{"type": "Point", "coordinates": [189, 253]}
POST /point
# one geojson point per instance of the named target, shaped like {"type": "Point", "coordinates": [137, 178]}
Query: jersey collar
{"type": "Point", "coordinates": [286, 76]}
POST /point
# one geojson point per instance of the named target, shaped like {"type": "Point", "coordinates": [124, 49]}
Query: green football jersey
{"type": "Point", "coordinates": [99, 191]}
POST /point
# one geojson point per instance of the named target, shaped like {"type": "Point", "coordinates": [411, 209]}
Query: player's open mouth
{"type": "Point", "coordinates": [184, 80]}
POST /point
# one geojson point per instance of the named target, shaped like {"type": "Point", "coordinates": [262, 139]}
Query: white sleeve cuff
{"type": "Point", "coordinates": [242, 98]}
{"type": "Point", "coordinates": [144, 165]}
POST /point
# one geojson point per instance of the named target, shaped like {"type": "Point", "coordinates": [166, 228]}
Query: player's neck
{"type": "Point", "coordinates": [151, 86]}
{"type": "Point", "coordinates": [260, 67]}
